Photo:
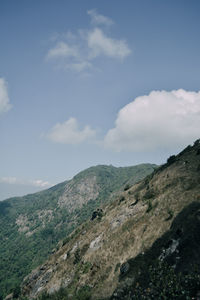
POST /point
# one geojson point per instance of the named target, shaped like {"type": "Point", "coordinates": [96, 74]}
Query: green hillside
{"type": "Point", "coordinates": [145, 245]}
{"type": "Point", "coordinates": [31, 226]}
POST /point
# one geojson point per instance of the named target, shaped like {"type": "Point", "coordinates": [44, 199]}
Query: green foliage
{"type": "Point", "coordinates": [137, 196]}
{"type": "Point", "coordinates": [117, 267]}
{"type": "Point", "coordinates": [171, 159]}
{"type": "Point", "coordinates": [60, 295]}
{"type": "Point", "coordinates": [86, 267]}
{"type": "Point", "coordinates": [84, 249]}
{"type": "Point", "coordinates": [97, 214]}
{"type": "Point", "coordinates": [16, 292]}
{"type": "Point", "coordinates": [77, 256]}
{"type": "Point", "coordinates": [121, 199]}
{"type": "Point", "coordinates": [66, 240]}
{"type": "Point", "coordinates": [149, 194]}
{"type": "Point", "coordinates": [150, 206]}
{"type": "Point", "coordinates": [48, 223]}
{"type": "Point", "coordinates": [164, 283]}
{"type": "Point", "coordinates": [170, 214]}
{"type": "Point", "coordinates": [127, 187]}
{"type": "Point", "coordinates": [176, 274]}
{"type": "Point", "coordinates": [83, 293]}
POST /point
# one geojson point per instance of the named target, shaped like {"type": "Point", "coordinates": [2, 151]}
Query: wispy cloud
{"type": "Point", "coordinates": [40, 183]}
{"type": "Point", "coordinates": [14, 180]}
{"type": "Point", "coordinates": [62, 49]}
{"type": "Point", "coordinates": [78, 51]}
{"type": "Point", "coordinates": [68, 132]}
{"type": "Point", "coordinates": [161, 119]}
{"type": "Point", "coordinates": [97, 19]}
{"type": "Point", "coordinates": [100, 44]}
{"type": "Point", "coordinates": [4, 99]}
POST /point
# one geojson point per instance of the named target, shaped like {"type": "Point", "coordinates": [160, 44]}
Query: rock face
{"type": "Point", "coordinates": [156, 220]}
{"type": "Point", "coordinates": [77, 194]}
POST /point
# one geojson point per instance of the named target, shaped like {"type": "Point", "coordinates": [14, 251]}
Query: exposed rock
{"type": "Point", "coordinates": [127, 233]}
{"type": "Point", "coordinates": [77, 194]}
{"type": "Point", "coordinates": [54, 288]}
{"type": "Point", "coordinates": [171, 249]}
{"type": "Point", "coordinates": [116, 222]}
{"type": "Point", "coordinates": [9, 297]}
{"type": "Point", "coordinates": [22, 223]}
{"type": "Point", "coordinates": [96, 243]}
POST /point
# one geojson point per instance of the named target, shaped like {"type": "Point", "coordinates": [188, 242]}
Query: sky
{"type": "Point", "coordinates": [90, 82]}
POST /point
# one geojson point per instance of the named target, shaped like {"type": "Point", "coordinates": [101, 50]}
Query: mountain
{"type": "Point", "coordinates": [31, 226]}
{"type": "Point", "coordinates": [144, 244]}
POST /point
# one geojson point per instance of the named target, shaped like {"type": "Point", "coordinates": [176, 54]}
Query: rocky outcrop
{"type": "Point", "coordinates": [77, 194]}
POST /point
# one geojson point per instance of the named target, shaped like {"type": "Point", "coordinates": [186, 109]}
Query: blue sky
{"type": "Point", "coordinates": [84, 83]}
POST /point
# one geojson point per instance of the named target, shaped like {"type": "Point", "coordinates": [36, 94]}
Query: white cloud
{"type": "Point", "coordinates": [4, 99]}
{"type": "Point", "coordinates": [14, 180]}
{"type": "Point", "coordinates": [9, 180]}
{"type": "Point", "coordinates": [159, 120]}
{"type": "Point", "coordinates": [40, 183]}
{"type": "Point", "coordinates": [100, 44]}
{"type": "Point", "coordinates": [79, 66]}
{"type": "Point", "coordinates": [98, 19]}
{"type": "Point", "coordinates": [78, 52]}
{"type": "Point", "coordinates": [62, 49]}
{"type": "Point", "coordinates": [69, 133]}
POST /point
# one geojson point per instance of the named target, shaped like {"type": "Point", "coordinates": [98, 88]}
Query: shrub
{"type": "Point", "coordinates": [170, 214]}
{"type": "Point", "coordinates": [65, 241]}
{"type": "Point", "coordinates": [84, 293]}
{"type": "Point", "coordinates": [198, 152]}
{"type": "Point", "coordinates": [97, 214]}
{"type": "Point", "coordinates": [86, 267]}
{"type": "Point", "coordinates": [77, 256]}
{"type": "Point", "coordinates": [127, 187]}
{"type": "Point", "coordinates": [150, 206]}
{"type": "Point", "coordinates": [137, 196]}
{"type": "Point", "coordinates": [16, 292]}
{"type": "Point", "coordinates": [164, 283]}
{"type": "Point", "coordinates": [117, 267]}
{"type": "Point", "coordinates": [171, 159]}
{"type": "Point", "coordinates": [149, 194]}
{"type": "Point", "coordinates": [121, 199]}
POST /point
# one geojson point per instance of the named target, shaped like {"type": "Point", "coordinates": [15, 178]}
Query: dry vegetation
{"type": "Point", "coordinates": [129, 226]}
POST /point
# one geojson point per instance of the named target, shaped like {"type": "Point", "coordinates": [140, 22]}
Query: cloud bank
{"type": "Point", "coordinates": [36, 183]}
{"type": "Point", "coordinates": [78, 52]}
{"type": "Point", "coordinates": [161, 119]}
{"type": "Point", "coordinates": [4, 99]}
{"type": "Point", "coordinates": [68, 132]}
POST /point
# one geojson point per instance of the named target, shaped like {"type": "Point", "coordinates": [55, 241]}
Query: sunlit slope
{"type": "Point", "coordinates": [31, 226]}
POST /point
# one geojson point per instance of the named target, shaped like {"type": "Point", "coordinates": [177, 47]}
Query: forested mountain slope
{"type": "Point", "coordinates": [31, 226]}
{"type": "Point", "coordinates": [136, 249]}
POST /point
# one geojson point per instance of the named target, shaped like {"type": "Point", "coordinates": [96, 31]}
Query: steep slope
{"type": "Point", "coordinates": [103, 256]}
{"type": "Point", "coordinates": [170, 268]}
{"type": "Point", "coordinates": [31, 226]}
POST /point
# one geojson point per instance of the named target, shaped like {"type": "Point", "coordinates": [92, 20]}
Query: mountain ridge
{"type": "Point", "coordinates": [37, 222]}
{"type": "Point", "coordinates": [97, 259]}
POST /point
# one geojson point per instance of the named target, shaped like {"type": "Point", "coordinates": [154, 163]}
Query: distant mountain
{"type": "Point", "coordinates": [144, 244]}
{"type": "Point", "coordinates": [31, 226]}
